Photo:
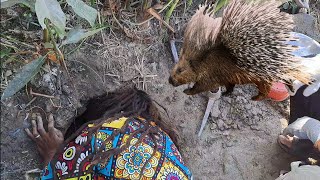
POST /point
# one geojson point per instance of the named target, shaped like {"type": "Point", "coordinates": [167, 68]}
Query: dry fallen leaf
{"type": "Point", "coordinates": [155, 14]}
{"type": "Point", "coordinates": [52, 56]}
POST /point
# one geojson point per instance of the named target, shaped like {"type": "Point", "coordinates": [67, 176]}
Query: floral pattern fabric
{"type": "Point", "coordinates": [164, 163]}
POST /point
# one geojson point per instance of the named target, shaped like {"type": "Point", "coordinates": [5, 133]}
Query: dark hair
{"type": "Point", "coordinates": [305, 151]}
{"type": "Point", "coordinates": [128, 102]}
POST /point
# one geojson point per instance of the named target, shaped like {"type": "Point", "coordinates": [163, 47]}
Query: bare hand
{"type": "Point", "coordinates": [47, 142]}
{"type": "Point", "coordinates": [317, 145]}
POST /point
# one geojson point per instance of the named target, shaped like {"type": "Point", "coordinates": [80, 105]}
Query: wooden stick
{"type": "Point", "coordinates": [42, 95]}
{"type": "Point", "coordinates": [33, 99]}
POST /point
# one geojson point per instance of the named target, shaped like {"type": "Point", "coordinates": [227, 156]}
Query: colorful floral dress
{"type": "Point", "coordinates": [165, 164]}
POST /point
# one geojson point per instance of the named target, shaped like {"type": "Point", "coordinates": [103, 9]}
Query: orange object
{"type": "Point", "coordinates": [278, 92]}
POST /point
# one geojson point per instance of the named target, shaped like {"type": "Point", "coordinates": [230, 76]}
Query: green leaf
{"type": "Point", "coordinates": [170, 11]}
{"type": "Point", "coordinates": [295, 8]}
{"type": "Point", "coordinates": [75, 35]}
{"type": "Point", "coordinates": [9, 3]}
{"type": "Point", "coordinates": [51, 10]}
{"type": "Point", "coordinates": [22, 78]}
{"type": "Point", "coordinates": [285, 6]}
{"type": "Point", "coordinates": [220, 4]}
{"type": "Point", "coordinates": [92, 2]}
{"type": "Point", "coordinates": [84, 11]}
{"type": "Point", "coordinates": [4, 52]}
{"type": "Point", "coordinates": [189, 3]}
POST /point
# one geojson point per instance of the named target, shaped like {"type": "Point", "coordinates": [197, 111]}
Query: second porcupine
{"type": "Point", "coordinates": [246, 45]}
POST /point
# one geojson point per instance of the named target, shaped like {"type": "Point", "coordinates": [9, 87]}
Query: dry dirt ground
{"type": "Point", "coordinates": [239, 140]}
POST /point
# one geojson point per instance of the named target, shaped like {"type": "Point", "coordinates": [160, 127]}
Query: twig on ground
{"type": "Point", "coordinates": [19, 42]}
{"type": "Point", "coordinates": [155, 14]}
{"type": "Point", "coordinates": [22, 53]}
{"type": "Point", "coordinates": [99, 20]}
{"type": "Point", "coordinates": [39, 94]}
{"type": "Point", "coordinates": [54, 105]}
{"type": "Point", "coordinates": [160, 11]}
{"type": "Point", "coordinates": [30, 102]}
{"type": "Point", "coordinates": [6, 20]}
{"type": "Point", "coordinates": [9, 46]}
{"type": "Point", "coordinates": [112, 75]}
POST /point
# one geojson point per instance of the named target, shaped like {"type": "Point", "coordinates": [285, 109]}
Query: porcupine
{"type": "Point", "coordinates": [246, 45]}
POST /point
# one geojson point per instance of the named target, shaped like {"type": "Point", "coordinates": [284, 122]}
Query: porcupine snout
{"type": "Point", "coordinates": [172, 82]}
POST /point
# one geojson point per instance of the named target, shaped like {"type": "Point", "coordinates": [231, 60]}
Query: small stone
{"type": "Point", "coordinates": [187, 102]}
{"type": "Point", "coordinates": [238, 98]}
{"type": "Point", "coordinates": [228, 138]}
{"type": "Point", "coordinates": [213, 126]}
{"type": "Point", "coordinates": [254, 111]}
{"type": "Point", "coordinates": [248, 106]}
{"type": "Point", "coordinates": [131, 45]}
{"type": "Point", "coordinates": [54, 71]}
{"type": "Point", "coordinates": [66, 89]}
{"type": "Point", "coordinates": [234, 126]}
{"type": "Point", "coordinates": [8, 73]}
{"type": "Point", "coordinates": [255, 127]}
{"type": "Point", "coordinates": [229, 144]}
{"type": "Point", "coordinates": [229, 121]}
{"type": "Point", "coordinates": [221, 124]}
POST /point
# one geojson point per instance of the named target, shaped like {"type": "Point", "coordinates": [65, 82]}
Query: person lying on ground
{"type": "Point", "coordinates": [124, 137]}
{"type": "Point", "coordinates": [302, 138]}
{"type": "Point", "coordinates": [301, 172]}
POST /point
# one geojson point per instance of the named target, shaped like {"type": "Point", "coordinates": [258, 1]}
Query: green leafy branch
{"type": "Point", "coordinates": [53, 22]}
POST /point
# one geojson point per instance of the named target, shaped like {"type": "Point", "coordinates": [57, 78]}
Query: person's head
{"type": "Point", "coordinates": [305, 150]}
{"type": "Point", "coordinates": [125, 101]}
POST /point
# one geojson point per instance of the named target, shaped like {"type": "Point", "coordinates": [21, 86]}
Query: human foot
{"type": "Point", "coordinates": [47, 142]}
